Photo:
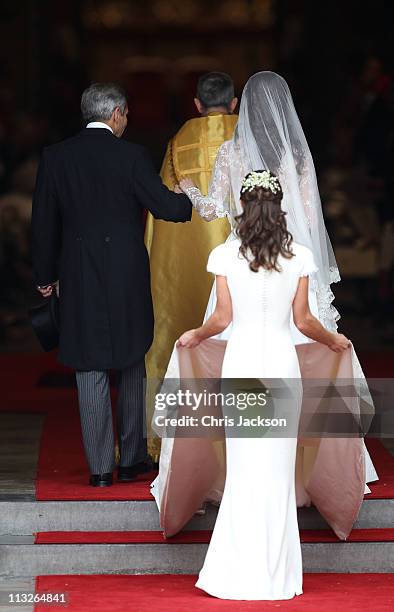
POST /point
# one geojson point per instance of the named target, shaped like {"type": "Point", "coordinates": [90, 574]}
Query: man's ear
{"type": "Point", "coordinates": [233, 105]}
{"type": "Point", "coordinates": [116, 115]}
{"type": "Point", "coordinates": [199, 106]}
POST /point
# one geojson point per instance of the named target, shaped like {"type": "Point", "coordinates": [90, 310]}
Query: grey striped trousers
{"type": "Point", "coordinates": [96, 418]}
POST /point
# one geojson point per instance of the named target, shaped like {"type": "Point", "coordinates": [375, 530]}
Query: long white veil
{"type": "Point", "coordinates": [269, 136]}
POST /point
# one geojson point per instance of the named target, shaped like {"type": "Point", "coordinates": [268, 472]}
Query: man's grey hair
{"type": "Point", "coordinates": [100, 100]}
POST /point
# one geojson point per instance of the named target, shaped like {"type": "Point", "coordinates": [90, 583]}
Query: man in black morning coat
{"type": "Point", "coordinates": [87, 233]}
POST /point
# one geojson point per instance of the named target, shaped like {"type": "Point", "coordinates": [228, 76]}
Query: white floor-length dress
{"type": "Point", "coordinates": [255, 549]}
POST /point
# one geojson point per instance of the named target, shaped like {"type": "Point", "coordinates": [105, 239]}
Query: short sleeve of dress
{"type": "Point", "coordinates": [217, 261]}
{"type": "Point", "coordinates": [308, 265]}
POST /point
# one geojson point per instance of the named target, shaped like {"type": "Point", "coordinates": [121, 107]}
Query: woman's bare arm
{"type": "Point", "coordinates": [309, 325]}
{"type": "Point", "coordinates": [217, 322]}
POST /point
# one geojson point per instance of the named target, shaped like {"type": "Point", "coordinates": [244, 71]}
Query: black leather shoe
{"type": "Point", "coordinates": [101, 480]}
{"type": "Point", "coordinates": [128, 474]}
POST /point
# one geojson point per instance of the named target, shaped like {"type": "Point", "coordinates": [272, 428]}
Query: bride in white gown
{"type": "Point", "coordinates": [260, 277]}
{"type": "Point", "coordinates": [269, 135]}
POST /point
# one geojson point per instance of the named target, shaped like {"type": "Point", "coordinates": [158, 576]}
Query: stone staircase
{"type": "Point", "coordinates": [20, 556]}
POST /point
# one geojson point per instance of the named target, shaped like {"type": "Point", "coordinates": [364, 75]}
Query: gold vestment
{"type": "Point", "coordinates": [179, 251]}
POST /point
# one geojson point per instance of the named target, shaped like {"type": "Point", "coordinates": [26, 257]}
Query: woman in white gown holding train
{"type": "Point", "coordinates": [260, 278]}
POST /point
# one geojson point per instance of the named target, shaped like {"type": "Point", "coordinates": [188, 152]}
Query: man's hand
{"type": "Point", "coordinates": [189, 339]}
{"type": "Point", "coordinates": [186, 184]}
{"type": "Point", "coordinates": [46, 290]}
{"type": "Point", "coordinates": [177, 189]}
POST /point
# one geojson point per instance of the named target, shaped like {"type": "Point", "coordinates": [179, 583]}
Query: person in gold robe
{"type": "Point", "coordinates": [178, 255]}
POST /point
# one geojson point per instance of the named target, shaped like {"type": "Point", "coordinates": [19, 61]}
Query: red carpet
{"type": "Point", "coordinates": [196, 537]}
{"type": "Point", "coordinates": [322, 592]}
{"type": "Point", "coordinates": [63, 473]}
{"type": "Point", "coordinates": [384, 465]}
{"type": "Point", "coordinates": [121, 537]}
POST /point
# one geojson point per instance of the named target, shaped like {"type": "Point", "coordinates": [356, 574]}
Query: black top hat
{"type": "Point", "coordinates": [45, 322]}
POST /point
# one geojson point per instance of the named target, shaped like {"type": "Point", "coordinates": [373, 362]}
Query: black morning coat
{"type": "Point", "coordinates": [88, 233]}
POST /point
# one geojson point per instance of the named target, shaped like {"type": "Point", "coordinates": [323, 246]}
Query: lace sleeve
{"type": "Point", "coordinates": [214, 205]}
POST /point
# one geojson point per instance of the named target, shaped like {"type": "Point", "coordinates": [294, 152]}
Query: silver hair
{"type": "Point", "coordinates": [100, 100]}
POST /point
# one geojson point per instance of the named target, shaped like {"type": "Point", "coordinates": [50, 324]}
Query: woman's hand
{"type": "Point", "coordinates": [177, 189]}
{"type": "Point", "coordinates": [186, 183]}
{"type": "Point", "coordinates": [340, 343]}
{"type": "Point", "coordinates": [189, 339]}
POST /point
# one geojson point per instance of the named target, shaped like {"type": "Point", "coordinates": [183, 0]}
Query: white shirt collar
{"type": "Point", "coordinates": [99, 124]}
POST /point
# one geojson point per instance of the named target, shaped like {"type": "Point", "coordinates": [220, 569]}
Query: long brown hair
{"type": "Point", "coordinates": [262, 228]}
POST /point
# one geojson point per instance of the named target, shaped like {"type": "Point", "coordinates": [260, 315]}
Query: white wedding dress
{"type": "Point", "coordinates": [255, 548]}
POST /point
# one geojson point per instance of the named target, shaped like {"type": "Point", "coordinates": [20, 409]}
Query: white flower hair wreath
{"type": "Point", "coordinates": [262, 178]}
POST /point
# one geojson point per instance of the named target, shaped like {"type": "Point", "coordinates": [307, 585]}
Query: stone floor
{"type": "Point", "coordinates": [19, 448]}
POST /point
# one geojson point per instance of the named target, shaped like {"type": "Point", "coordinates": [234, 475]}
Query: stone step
{"type": "Point", "coordinates": [31, 559]}
{"type": "Point", "coordinates": [12, 586]}
{"type": "Point", "coordinates": [26, 517]}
